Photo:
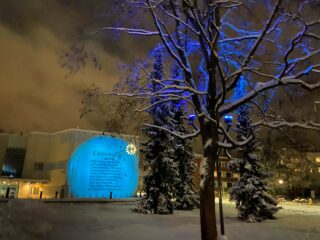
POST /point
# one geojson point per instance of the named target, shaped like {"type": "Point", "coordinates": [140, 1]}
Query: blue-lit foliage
{"type": "Point", "coordinates": [268, 57]}
{"type": "Point", "coordinates": [102, 165]}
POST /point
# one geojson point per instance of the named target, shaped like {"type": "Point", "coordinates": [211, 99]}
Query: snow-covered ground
{"type": "Point", "coordinates": [300, 209]}
{"type": "Point", "coordinates": [32, 220]}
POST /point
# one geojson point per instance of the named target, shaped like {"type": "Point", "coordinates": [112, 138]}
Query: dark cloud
{"type": "Point", "coordinates": [34, 93]}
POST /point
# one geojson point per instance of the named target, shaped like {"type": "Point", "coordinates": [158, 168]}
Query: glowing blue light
{"type": "Point", "coordinates": [100, 166]}
{"type": "Point", "coordinates": [192, 117]}
{"type": "Point", "coordinates": [228, 120]}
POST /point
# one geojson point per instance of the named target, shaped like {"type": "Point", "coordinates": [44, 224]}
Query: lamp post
{"type": "Point", "coordinates": [228, 121]}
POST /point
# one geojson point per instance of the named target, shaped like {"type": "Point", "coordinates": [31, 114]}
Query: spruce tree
{"type": "Point", "coordinates": [251, 191]}
{"type": "Point", "coordinates": [186, 198]}
{"type": "Point", "coordinates": [161, 169]}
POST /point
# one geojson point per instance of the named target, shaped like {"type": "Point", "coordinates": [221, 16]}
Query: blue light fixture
{"type": "Point", "coordinates": [228, 120]}
{"type": "Point", "coordinates": [192, 118]}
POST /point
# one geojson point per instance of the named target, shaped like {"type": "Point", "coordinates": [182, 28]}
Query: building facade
{"type": "Point", "coordinates": [227, 177]}
{"type": "Point", "coordinates": [35, 165]}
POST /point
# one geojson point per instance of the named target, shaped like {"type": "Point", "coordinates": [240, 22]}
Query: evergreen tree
{"type": "Point", "coordinates": [161, 168]}
{"type": "Point", "coordinates": [251, 191]}
{"type": "Point", "coordinates": [186, 198]}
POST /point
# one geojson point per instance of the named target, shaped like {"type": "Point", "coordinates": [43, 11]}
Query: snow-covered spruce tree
{"type": "Point", "coordinates": [161, 169]}
{"type": "Point", "coordinates": [186, 198]}
{"type": "Point", "coordinates": [250, 192]}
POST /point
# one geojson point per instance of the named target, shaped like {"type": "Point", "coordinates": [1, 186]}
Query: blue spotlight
{"type": "Point", "coordinates": [228, 120]}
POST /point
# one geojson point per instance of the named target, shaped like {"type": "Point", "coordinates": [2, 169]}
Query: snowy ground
{"type": "Point", "coordinates": [32, 220]}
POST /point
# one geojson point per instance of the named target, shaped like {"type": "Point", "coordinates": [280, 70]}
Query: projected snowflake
{"type": "Point", "coordinates": [131, 149]}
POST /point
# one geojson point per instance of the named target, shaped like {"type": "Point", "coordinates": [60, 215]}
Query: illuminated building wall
{"type": "Point", "coordinates": [103, 166]}
{"type": "Point", "coordinates": [45, 167]}
{"type": "Point", "coordinates": [227, 177]}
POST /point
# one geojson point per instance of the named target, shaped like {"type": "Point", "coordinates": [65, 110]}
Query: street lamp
{"type": "Point", "coordinates": [228, 119]}
{"type": "Point", "coordinates": [280, 181]}
{"type": "Point", "coordinates": [191, 119]}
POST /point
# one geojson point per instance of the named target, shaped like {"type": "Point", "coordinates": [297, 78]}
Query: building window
{"type": "Point", "coordinates": [38, 166]}
{"type": "Point", "coordinates": [13, 162]}
{"type": "Point", "coordinates": [229, 175]}
{"type": "Point", "coordinates": [229, 184]}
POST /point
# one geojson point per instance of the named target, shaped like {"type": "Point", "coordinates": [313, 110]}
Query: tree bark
{"type": "Point", "coordinates": [207, 194]}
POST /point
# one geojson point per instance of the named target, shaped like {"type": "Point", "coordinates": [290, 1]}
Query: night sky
{"type": "Point", "coordinates": [34, 91]}
{"type": "Point", "coordinates": [36, 95]}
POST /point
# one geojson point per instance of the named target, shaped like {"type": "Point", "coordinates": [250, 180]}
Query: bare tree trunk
{"type": "Point", "coordinates": [207, 194]}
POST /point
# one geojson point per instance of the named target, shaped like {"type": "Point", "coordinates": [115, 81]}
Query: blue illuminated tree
{"type": "Point", "coordinates": [216, 43]}
{"type": "Point", "coordinates": [250, 192]}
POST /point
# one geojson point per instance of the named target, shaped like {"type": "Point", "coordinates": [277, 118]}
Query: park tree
{"type": "Point", "coordinates": [114, 114]}
{"type": "Point", "coordinates": [186, 198]}
{"type": "Point", "coordinates": [291, 165]}
{"type": "Point", "coordinates": [161, 173]}
{"type": "Point", "coordinates": [273, 44]}
{"type": "Point", "coordinates": [250, 192]}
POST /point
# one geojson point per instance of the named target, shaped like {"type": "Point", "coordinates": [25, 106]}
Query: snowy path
{"type": "Point", "coordinates": [33, 221]}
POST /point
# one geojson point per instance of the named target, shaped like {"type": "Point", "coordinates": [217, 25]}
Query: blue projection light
{"type": "Point", "coordinates": [228, 120]}
{"type": "Point", "coordinates": [103, 166]}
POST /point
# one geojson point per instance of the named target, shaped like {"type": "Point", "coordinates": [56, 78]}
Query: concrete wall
{"type": "Point", "coordinates": [4, 138]}
{"type": "Point", "coordinates": [38, 150]}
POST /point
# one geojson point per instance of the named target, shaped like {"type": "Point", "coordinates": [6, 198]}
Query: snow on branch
{"type": "Point", "coordinates": [232, 143]}
{"type": "Point", "coordinates": [236, 76]}
{"type": "Point", "coordinates": [263, 86]}
{"type": "Point", "coordinates": [283, 123]}
{"type": "Point", "coordinates": [175, 133]}
{"type": "Point", "coordinates": [241, 38]}
{"type": "Point", "coordinates": [132, 31]}
{"type": "Point", "coordinates": [163, 37]}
